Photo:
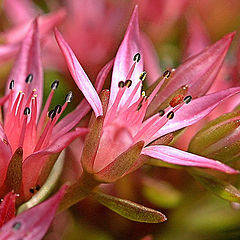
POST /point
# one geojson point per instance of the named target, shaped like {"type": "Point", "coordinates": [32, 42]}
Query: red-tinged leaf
{"type": "Point", "coordinates": [195, 111]}
{"type": "Point", "coordinates": [28, 61]}
{"type": "Point", "coordinates": [33, 164]}
{"type": "Point", "coordinates": [121, 165]}
{"type": "Point", "coordinates": [128, 209]}
{"type": "Point", "coordinates": [179, 157]}
{"type": "Point", "coordinates": [220, 188]}
{"type": "Point", "coordinates": [5, 154]}
{"type": "Point", "coordinates": [124, 60]}
{"type": "Point", "coordinates": [7, 208]}
{"type": "Point", "coordinates": [73, 118]}
{"type": "Point", "coordinates": [198, 72]}
{"type": "Point", "coordinates": [34, 223]}
{"type": "Point", "coordinates": [13, 179]}
{"type": "Point", "coordinates": [79, 76]}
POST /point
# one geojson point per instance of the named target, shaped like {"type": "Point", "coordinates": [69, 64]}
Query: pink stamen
{"type": "Point", "coordinates": [23, 130]}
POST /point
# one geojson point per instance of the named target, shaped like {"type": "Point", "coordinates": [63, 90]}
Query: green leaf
{"type": "Point", "coordinates": [48, 186]}
{"type": "Point", "coordinates": [220, 188]}
{"type": "Point", "coordinates": [128, 209]}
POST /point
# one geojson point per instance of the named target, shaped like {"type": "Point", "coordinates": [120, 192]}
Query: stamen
{"type": "Point", "coordinates": [121, 84]}
{"type": "Point", "coordinates": [26, 112]}
{"type": "Point", "coordinates": [31, 190]}
{"type": "Point", "coordinates": [128, 83]}
{"type": "Point", "coordinates": [69, 97]}
{"type": "Point", "coordinates": [143, 76]}
{"type": "Point", "coordinates": [54, 85]}
{"type": "Point", "coordinates": [170, 115]}
{"type": "Point", "coordinates": [37, 187]}
{"type": "Point", "coordinates": [161, 113]}
{"type": "Point", "coordinates": [137, 57]}
{"type": "Point", "coordinates": [187, 99]}
{"type": "Point", "coordinates": [58, 108]}
{"type": "Point", "coordinates": [167, 74]}
{"type": "Point", "coordinates": [29, 78]}
{"type": "Point", "coordinates": [11, 85]}
{"type": "Point", "coordinates": [52, 114]}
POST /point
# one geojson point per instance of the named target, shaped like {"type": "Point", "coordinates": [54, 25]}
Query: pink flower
{"type": "Point", "coordinates": [31, 224]}
{"type": "Point", "coordinates": [27, 135]}
{"type": "Point", "coordinates": [127, 130]}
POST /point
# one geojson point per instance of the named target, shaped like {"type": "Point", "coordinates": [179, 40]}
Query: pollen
{"type": "Point", "coordinates": [143, 76]}
{"type": "Point", "coordinates": [161, 113]}
{"type": "Point", "coordinates": [121, 84]}
{"type": "Point", "coordinates": [187, 99]}
{"type": "Point", "coordinates": [170, 115]}
{"type": "Point", "coordinates": [167, 74]}
{"type": "Point", "coordinates": [137, 58]}
{"type": "Point", "coordinates": [128, 83]}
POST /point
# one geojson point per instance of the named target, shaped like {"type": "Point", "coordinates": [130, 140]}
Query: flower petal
{"type": "Point", "coordinates": [195, 111]}
{"type": "Point", "coordinates": [7, 208]}
{"type": "Point", "coordinates": [78, 74]}
{"type": "Point", "coordinates": [5, 155]}
{"type": "Point", "coordinates": [7, 51]}
{"type": "Point", "coordinates": [27, 62]}
{"type": "Point", "coordinates": [198, 72]}
{"type": "Point", "coordinates": [33, 164]}
{"type": "Point", "coordinates": [33, 223]}
{"type": "Point", "coordinates": [124, 60]}
{"type": "Point", "coordinates": [179, 157]}
{"type": "Point", "coordinates": [73, 118]}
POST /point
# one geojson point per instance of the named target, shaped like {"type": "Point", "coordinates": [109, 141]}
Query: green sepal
{"type": "Point", "coordinates": [219, 187]}
{"type": "Point", "coordinates": [128, 209]}
{"type": "Point", "coordinates": [47, 187]}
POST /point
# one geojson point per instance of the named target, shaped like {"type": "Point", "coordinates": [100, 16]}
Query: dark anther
{"type": "Point", "coordinates": [167, 74]}
{"type": "Point", "coordinates": [121, 84]}
{"type": "Point", "coordinates": [37, 187]}
{"type": "Point", "coordinates": [58, 108]}
{"type": "Point", "coordinates": [31, 190]}
{"type": "Point", "coordinates": [16, 225]}
{"type": "Point", "coordinates": [143, 76]}
{"type": "Point", "coordinates": [161, 113]}
{"type": "Point", "coordinates": [128, 83]}
{"type": "Point", "coordinates": [11, 85]}
{"type": "Point", "coordinates": [137, 57]}
{"type": "Point", "coordinates": [69, 97]}
{"type": "Point", "coordinates": [52, 114]}
{"type": "Point", "coordinates": [27, 111]}
{"type": "Point", "coordinates": [170, 115]}
{"type": "Point", "coordinates": [187, 99]}
{"type": "Point", "coordinates": [55, 84]}
{"type": "Point", "coordinates": [29, 78]}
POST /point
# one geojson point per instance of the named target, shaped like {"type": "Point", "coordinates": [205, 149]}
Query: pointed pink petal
{"type": "Point", "coordinates": [46, 24]}
{"type": "Point", "coordinates": [33, 164]}
{"type": "Point", "coordinates": [80, 77]}
{"type": "Point", "coordinates": [33, 223]}
{"type": "Point", "coordinates": [28, 61]}
{"type": "Point", "coordinates": [124, 59]}
{"type": "Point", "coordinates": [151, 62]}
{"type": "Point", "coordinates": [71, 120]}
{"type": "Point", "coordinates": [7, 51]}
{"type": "Point", "coordinates": [179, 157]}
{"type": "Point", "coordinates": [199, 71]}
{"type": "Point", "coordinates": [19, 11]}
{"type": "Point", "coordinates": [7, 208]}
{"type": "Point", "coordinates": [5, 154]}
{"type": "Point", "coordinates": [195, 111]}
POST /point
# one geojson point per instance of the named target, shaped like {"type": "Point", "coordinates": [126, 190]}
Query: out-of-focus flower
{"type": "Point", "coordinates": [127, 127]}
{"type": "Point", "coordinates": [27, 138]}
{"type": "Point", "coordinates": [31, 224]}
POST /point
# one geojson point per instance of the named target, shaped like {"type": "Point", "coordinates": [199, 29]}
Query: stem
{"type": "Point", "coordinates": [78, 191]}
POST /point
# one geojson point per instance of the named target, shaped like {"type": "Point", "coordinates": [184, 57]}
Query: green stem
{"type": "Point", "coordinates": [78, 191]}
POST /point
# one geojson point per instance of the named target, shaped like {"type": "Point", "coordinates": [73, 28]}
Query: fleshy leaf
{"type": "Point", "coordinates": [121, 165]}
{"type": "Point", "coordinates": [78, 74]}
{"type": "Point", "coordinates": [34, 223]}
{"type": "Point", "coordinates": [27, 62]}
{"type": "Point", "coordinates": [124, 60]}
{"type": "Point", "coordinates": [198, 72]}
{"type": "Point", "coordinates": [48, 186]}
{"type": "Point", "coordinates": [128, 209]}
{"type": "Point", "coordinates": [13, 179]}
{"type": "Point", "coordinates": [221, 188]}
{"type": "Point", "coordinates": [7, 208]}
{"type": "Point", "coordinates": [195, 111]}
{"type": "Point", "coordinates": [179, 157]}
